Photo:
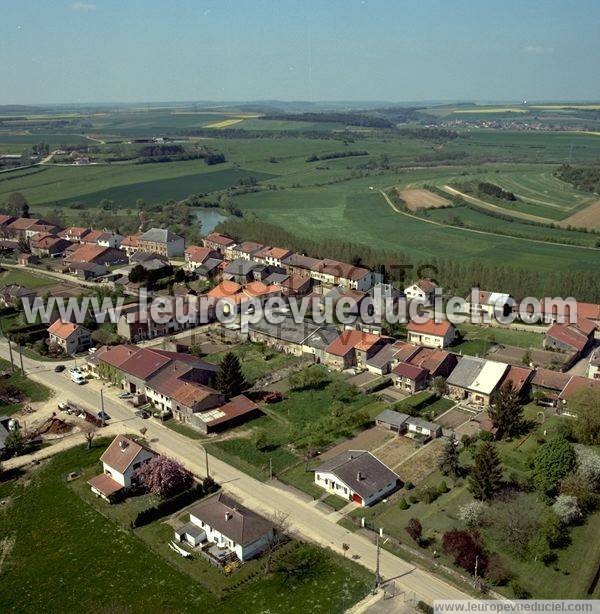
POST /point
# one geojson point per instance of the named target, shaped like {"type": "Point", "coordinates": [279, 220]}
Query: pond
{"type": "Point", "coordinates": [209, 218]}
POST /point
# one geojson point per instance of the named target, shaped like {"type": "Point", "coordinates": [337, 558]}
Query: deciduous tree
{"type": "Point", "coordinates": [164, 476]}
{"type": "Point", "coordinates": [554, 460]}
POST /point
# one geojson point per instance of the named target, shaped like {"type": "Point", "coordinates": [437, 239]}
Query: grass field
{"type": "Point", "coordinates": [566, 577]}
{"type": "Point", "coordinates": [61, 551]}
{"type": "Point", "coordinates": [31, 391]}
{"type": "Point", "coordinates": [24, 278]}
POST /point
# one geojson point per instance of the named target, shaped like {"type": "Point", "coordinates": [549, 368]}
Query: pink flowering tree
{"type": "Point", "coordinates": [164, 476]}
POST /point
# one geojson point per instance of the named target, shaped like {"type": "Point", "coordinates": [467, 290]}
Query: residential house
{"type": "Point", "coordinates": [287, 336]}
{"type": "Point", "coordinates": [120, 461]}
{"type": "Point", "coordinates": [519, 378]}
{"type": "Point", "coordinates": [483, 305]}
{"type": "Point", "coordinates": [272, 256]}
{"type": "Point", "coordinates": [432, 334]}
{"type": "Point", "coordinates": [385, 359]}
{"type": "Point", "coordinates": [104, 238]}
{"type": "Point", "coordinates": [353, 348]}
{"type": "Point", "coordinates": [244, 250]}
{"type": "Point", "coordinates": [302, 266]}
{"type": "Point", "coordinates": [42, 228]}
{"type": "Point", "coordinates": [409, 378]}
{"type": "Point", "coordinates": [5, 221]}
{"type": "Point", "coordinates": [130, 244]}
{"type": "Point", "coordinates": [411, 426]}
{"type": "Point", "coordinates": [242, 271]}
{"type": "Point", "coordinates": [334, 273]}
{"type": "Point", "coordinates": [87, 270]}
{"type": "Point", "coordinates": [225, 530]}
{"type": "Point", "coordinates": [475, 380]}
{"type": "Point", "coordinates": [196, 257]}
{"type": "Point", "coordinates": [422, 290]}
{"type": "Point", "coordinates": [48, 245]}
{"type": "Point", "coordinates": [75, 234]}
{"type": "Point", "coordinates": [294, 285]}
{"type": "Point", "coordinates": [357, 475]}
{"type": "Point", "coordinates": [162, 241]}
{"type": "Point", "coordinates": [218, 242]}
{"type": "Point", "coordinates": [17, 229]}
{"type": "Point", "coordinates": [72, 338]}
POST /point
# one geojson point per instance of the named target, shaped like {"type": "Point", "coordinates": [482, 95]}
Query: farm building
{"type": "Point", "coordinates": [405, 424]}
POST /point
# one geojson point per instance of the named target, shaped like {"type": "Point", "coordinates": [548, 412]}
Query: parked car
{"type": "Point", "coordinates": [59, 368]}
{"type": "Point", "coordinates": [63, 406]}
{"type": "Point", "coordinates": [74, 370]}
{"type": "Point", "coordinates": [77, 378]}
{"type": "Point", "coordinates": [142, 413]}
{"type": "Point", "coordinates": [103, 416]}
{"type": "Point", "coordinates": [126, 395]}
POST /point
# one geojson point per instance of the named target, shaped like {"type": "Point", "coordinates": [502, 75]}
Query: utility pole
{"type": "Point", "coordinates": [102, 406]}
{"type": "Point", "coordinates": [12, 362]}
{"type": "Point", "coordinates": [476, 566]}
{"type": "Point", "coordinates": [270, 467]}
{"type": "Point", "coordinates": [377, 575]}
{"type": "Point", "coordinates": [206, 462]}
{"type": "Point", "coordinates": [21, 358]}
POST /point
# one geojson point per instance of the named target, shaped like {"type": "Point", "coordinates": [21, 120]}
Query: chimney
{"type": "Point", "coordinates": [359, 476]}
{"type": "Point", "coordinates": [123, 444]}
{"type": "Point", "coordinates": [227, 515]}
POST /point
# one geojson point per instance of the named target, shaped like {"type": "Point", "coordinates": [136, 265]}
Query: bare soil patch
{"type": "Point", "coordinates": [453, 418]}
{"type": "Point", "coordinates": [396, 451]}
{"type": "Point", "coordinates": [421, 464]}
{"type": "Point", "coordinates": [542, 358]}
{"type": "Point", "coordinates": [371, 439]}
{"type": "Point", "coordinates": [586, 218]}
{"type": "Point", "coordinates": [422, 199]}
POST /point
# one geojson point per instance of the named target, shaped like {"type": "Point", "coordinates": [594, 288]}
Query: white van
{"type": "Point", "coordinates": [78, 378]}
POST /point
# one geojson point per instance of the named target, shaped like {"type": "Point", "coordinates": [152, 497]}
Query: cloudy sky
{"type": "Point", "coordinates": [387, 50]}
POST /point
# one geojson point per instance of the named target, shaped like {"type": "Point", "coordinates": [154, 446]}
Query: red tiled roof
{"type": "Point", "coordinates": [341, 269]}
{"type": "Point", "coordinates": [352, 340]}
{"type": "Point", "coordinates": [195, 253]}
{"type": "Point", "coordinates": [225, 289]}
{"type": "Point", "coordinates": [409, 371]}
{"type": "Point", "coordinates": [104, 484]}
{"type": "Point", "coordinates": [74, 231]}
{"type": "Point", "coordinates": [428, 358]}
{"type": "Point", "coordinates": [553, 380]}
{"type": "Point", "coordinates": [238, 406]}
{"type": "Point", "coordinates": [87, 253]}
{"type": "Point", "coordinates": [219, 239]}
{"type": "Point", "coordinates": [23, 223]}
{"type": "Point", "coordinates": [62, 330]}
{"type": "Point", "coordinates": [257, 288]}
{"type": "Point", "coordinates": [436, 329]}
{"type": "Point", "coordinates": [115, 355]}
{"type": "Point", "coordinates": [143, 363]}
{"type": "Point", "coordinates": [571, 334]}
{"type": "Point", "coordinates": [577, 384]}
{"type": "Point", "coordinates": [121, 453]}
{"type": "Point", "coordinates": [518, 376]}
{"type": "Point", "coordinates": [131, 241]}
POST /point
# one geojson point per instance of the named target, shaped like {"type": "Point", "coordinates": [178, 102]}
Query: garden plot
{"type": "Point", "coordinates": [370, 439]}
{"type": "Point", "coordinates": [396, 451]}
{"type": "Point", "coordinates": [421, 464]}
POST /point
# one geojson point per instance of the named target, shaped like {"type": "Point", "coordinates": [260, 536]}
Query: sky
{"type": "Point", "coordinates": [79, 51]}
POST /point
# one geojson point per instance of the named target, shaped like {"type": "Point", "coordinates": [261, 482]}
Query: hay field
{"type": "Point", "coordinates": [417, 198]}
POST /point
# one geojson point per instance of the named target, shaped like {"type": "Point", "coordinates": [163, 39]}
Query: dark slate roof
{"type": "Point", "coordinates": [242, 267]}
{"type": "Point", "coordinates": [360, 471]}
{"type": "Point", "coordinates": [159, 235]}
{"type": "Point", "coordinates": [234, 521]}
{"type": "Point", "coordinates": [288, 330]}
{"type": "Point", "coordinates": [395, 418]}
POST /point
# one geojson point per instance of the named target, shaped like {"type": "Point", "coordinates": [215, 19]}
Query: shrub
{"type": "Point", "coordinates": [442, 487]}
{"type": "Point", "coordinates": [429, 495]}
{"type": "Point", "coordinates": [588, 466]}
{"type": "Point", "coordinates": [465, 548]}
{"type": "Point", "coordinates": [402, 504]}
{"type": "Point", "coordinates": [414, 499]}
{"type": "Point", "coordinates": [409, 485]}
{"type": "Point", "coordinates": [519, 591]}
{"type": "Point", "coordinates": [424, 607]}
{"type": "Point", "coordinates": [567, 509]}
{"type": "Point", "coordinates": [472, 514]}
{"type": "Point", "coordinates": [414, 529]}
{"type": "Point", "coordinates": [497, 572]}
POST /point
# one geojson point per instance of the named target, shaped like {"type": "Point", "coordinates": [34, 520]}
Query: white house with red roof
{"type": "Point", "coordinates": [196, 256]}
{"type": "Point", "coordinates": [72, 338]}
{"type": "Point", "coordinates": [119, 461]}
{"type": "Point", "coordinates": [432, 334]}
{"type": "Point", "coordinates": [218, 242]}
{"type": "Point", "coordinates": [353, 348]}
{"type": "Point", "coordinates": [422, 290]}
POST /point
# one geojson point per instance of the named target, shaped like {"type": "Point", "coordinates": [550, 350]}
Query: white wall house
{"type": "Point", "coordinates": [221, 521]}
{"type": "Point", "coordinates": [422, 290]}
{"type": "Point", "coordinates": [356, 475]}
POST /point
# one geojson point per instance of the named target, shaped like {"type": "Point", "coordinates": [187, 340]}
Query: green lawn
{"type": "Point", "coordinates": [183, 429]}
{"type": "Point", "coordinates": [257, 359]}
{"type": "Point", "coordinates": [63, 559]}
{"type": "Point", "coordinates": [478, 340]}
{"type": "Point", "coordinates": [310, 417]}
{"type": "Point", "coordinates": [24, 278]}
{"type": "Point", "coordinates": [337, 503]}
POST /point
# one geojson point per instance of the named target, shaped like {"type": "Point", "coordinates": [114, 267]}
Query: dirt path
{"type": "Point", "coordinates": [479, 232]}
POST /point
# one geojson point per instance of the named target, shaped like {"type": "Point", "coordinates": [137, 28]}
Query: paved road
{"type": "Point", "coordinates": [305, 519]}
